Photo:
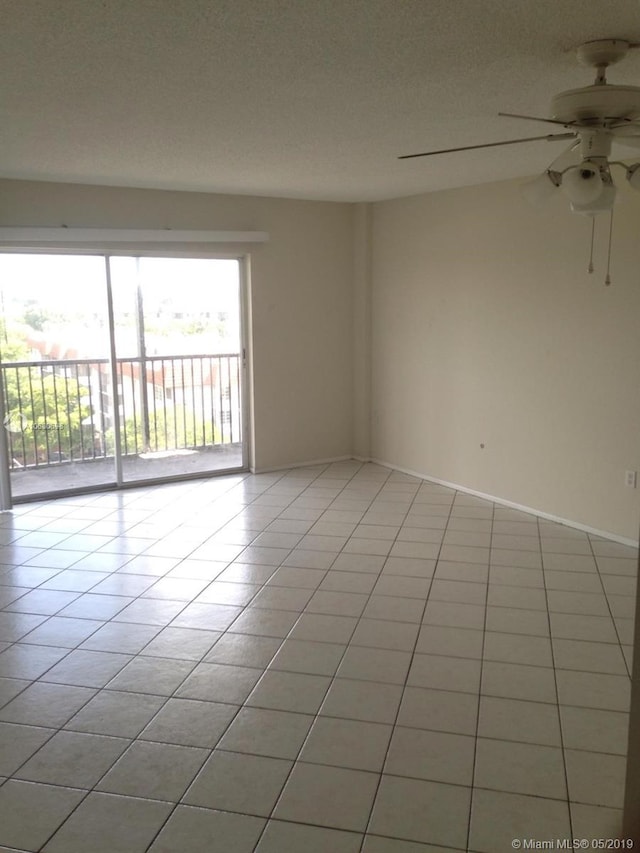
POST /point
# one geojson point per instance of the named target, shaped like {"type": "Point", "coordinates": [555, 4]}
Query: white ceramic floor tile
{"type": "Point", "coordinates": [521, 768]}
{"type": "Point", "coordinates": [595, 730]}
{"type": "Point", "coordinates": [18, 743]}
{"type": "Point", "coordinates": [312, 628]}
{"type": "Point", "coordinates": [385, 665]}
{"type": "Point", "coordinates": [587, 690]}
{"type": "Point", "coordinates": [463, 592]}
{"type": "Point", "coordinates": [437, 756]}
{"type": "Point", "coordinates": [308, 656]}
{"type": "Point", "coordinates": [596, 779]}
{"type": "Point", "coordinates": [450, 641]}
{"type": "Point", "coordinates": [596, 821]}
{"type": "Point", "coordinates": [588, 656]}
{"type": "Point", "coordinates": [73, 759]}
{"type": "Point", "coordinates": [445, 673]}
{"type": "Point", "coordinates": [282, 836]}
{"type": "Point", "coordinates": [347, 743]}
{"type": "Point", "coordinates": [517, 648]}
{"type": "Point", "coordinates": [46, 704]}
{"type": "Point", "coordinates": [181, 643]}
{"type": "Point", "coordinates": [289, 691]}
{"type": "Point", "coordinates": [233, 782]}
{"type": "Point", "coordinates": [30, 813]}
{"type": "Point", "coordinates": [439, 710]}
{"type": "Point", "coordinates": [264, 623]}
{"type": "Point", "coordinates": [498, 817]}
{"type": "Point", "coordinates": [394, 608]}
{"type": "Point", "coordinates": [154, 771]}
{"type": "Point", "coordinates": [26, 661]}
{"type": "Point", "coordinates": [219, 683]}
{"type": "Point", "coordinates": [327, 796]}
{"type": "Point", "coordinates": [362, 700]}
{"type": "Point", "coordinates": [516, 681]}
{"type": "Point", "coordinates": [324, 628]}
{"type": "Point", "coordinates": [416, 810]}
{"type": "Point", "coordinates": [196, 830]}
{"type": "Point", "coordinates": [454, 614]}
{"type": "Point", "coordinates": [513, 719]}
{"type": "Point", "coordinates": [275, 734]}
{"type": "Point", "coordinates": [411, 567]}
{"type": "Point", "coordinates": [381, 634]}
{"type": "Point", "coordinates": [511, 621]}
{"type": "Point", "coordinates": [117, 714]}
{"type": "Point", "coordinates": [379, 844]}
{"type": "Point", "coordinates": [105, 823]}
{"type": "Point", "coordinates": [85, 668]}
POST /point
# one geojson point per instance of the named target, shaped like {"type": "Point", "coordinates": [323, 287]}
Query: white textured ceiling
{"type": "Point", "coordinates": [295, 98]}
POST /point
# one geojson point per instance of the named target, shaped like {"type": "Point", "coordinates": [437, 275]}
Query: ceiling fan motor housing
{"type": "Point", "coordinates": [597, 104]}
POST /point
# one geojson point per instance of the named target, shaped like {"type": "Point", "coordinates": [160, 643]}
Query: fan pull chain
{"type": "Point", "coordinates": [593, 230]}
{"type": "Point", "coordinates": [607, 279]}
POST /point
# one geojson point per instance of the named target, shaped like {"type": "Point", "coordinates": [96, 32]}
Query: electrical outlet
{"type": "Point", "coordinates": [631, 479]}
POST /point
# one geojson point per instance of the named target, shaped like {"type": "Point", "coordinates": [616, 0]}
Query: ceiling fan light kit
{"type": "Point", "coordinates": [582, 185]}
{"type": "Point", "coordinates": [596, 118]}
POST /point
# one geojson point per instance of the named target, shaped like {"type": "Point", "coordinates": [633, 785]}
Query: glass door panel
{"type": "Point", "coordinates": [177, 334]}
{"type": "Point", "coordinates": [54, 358]}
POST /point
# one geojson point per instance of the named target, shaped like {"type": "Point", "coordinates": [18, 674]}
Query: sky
{"type": "Point", "coordinates": [74, 285]}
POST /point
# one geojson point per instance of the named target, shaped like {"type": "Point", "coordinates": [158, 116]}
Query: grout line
{"type": "Point", "coordinates": [480, 694]}
{"type": "Point", "coordinates": [559, 716]}
{"type": "Point", "coordinates": [612, 617]}
{"type": "Point", "coordinates": [406, 679]}
{"type": "Point", "coordinates": [331, 678]}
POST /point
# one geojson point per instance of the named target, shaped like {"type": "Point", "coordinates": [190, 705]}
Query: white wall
{"type": "Point", "coordinates": [300, 292]}
{"type": "Point", "coordinates": [488, 330]}
{"type": "Point", "coordinates": [484, 327]}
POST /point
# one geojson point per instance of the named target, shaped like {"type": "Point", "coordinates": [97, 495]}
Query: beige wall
{"type": "Point", "coordinates": [482, 324]}
{"type": "Point", "coordinates": [300, 292]}
{"type": "Point", "coordinates": [488, 330]}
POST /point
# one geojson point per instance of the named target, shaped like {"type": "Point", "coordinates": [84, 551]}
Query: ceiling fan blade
{"type": "Point", "coordinates": [624, 122]}
{"type": "Point", "coordinates": [537, 118]}
{"type": "Point", "coordinates": [548, 137]}
{"type": "Point", "coordinates": [627, 141]}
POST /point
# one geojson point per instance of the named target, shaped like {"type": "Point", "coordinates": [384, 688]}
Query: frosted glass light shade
{"type": "Point", "coordinates": [582, 185]}
{"type": "Point", "coordinates": [633, 176]}
{"type": "Point", "coordinates": [602, 204]}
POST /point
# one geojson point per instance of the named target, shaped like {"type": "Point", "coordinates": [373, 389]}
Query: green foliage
{"type": "Point", "coordinates": [34, 316]}
{"type": "Point", "coordinates": [43, 409]}
{"type": "Point", "coordinates": [175, 429]}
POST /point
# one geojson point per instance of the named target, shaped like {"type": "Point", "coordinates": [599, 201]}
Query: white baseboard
{"type": "Point", "coordinates": [576, 525]}
{"type": "Point", "coordinates": [605, 534]}
{"type": "Point", "coordinates": [308, 464]}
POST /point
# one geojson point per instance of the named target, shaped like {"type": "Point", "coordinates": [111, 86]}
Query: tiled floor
{"type": "Point", "coordinates": [327, 660]}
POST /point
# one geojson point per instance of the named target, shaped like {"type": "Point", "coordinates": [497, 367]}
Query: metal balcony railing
{"type": "Point", "coordinates": [60, 411]}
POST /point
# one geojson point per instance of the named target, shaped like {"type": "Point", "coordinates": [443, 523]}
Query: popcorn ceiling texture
{"type": "Point", "coordinates": [290, 98]}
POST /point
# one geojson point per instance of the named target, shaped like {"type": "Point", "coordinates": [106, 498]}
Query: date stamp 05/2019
{"type": "Point", "coordinates": [572, 844]}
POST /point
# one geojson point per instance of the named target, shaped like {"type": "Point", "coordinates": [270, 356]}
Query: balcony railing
{"type": "Point", "coordinates": [61, 411]}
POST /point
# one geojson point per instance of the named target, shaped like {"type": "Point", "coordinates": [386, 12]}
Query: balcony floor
{"type": "Point", "coordinates": [71, 476]}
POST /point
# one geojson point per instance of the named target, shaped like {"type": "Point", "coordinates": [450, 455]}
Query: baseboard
{"type": "Point", "coordinates": [605, 534]}
{"type": "Point", "coordinates": [307, 464]}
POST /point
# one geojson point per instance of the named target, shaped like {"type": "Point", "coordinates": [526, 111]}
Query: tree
{"type": "Point", "coordinates": [44, 407]}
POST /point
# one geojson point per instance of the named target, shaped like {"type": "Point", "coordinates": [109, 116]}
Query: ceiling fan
{"type": "Point", "coordinates": [596, 118]}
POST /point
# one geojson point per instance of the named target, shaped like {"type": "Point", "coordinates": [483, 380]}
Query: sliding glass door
{"type": "Point", "coordinates": [54, 347]}
{"type": "Point", "coordinates": [119, 369]}
{"type": "Point", "coordinates": [179, 363]}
